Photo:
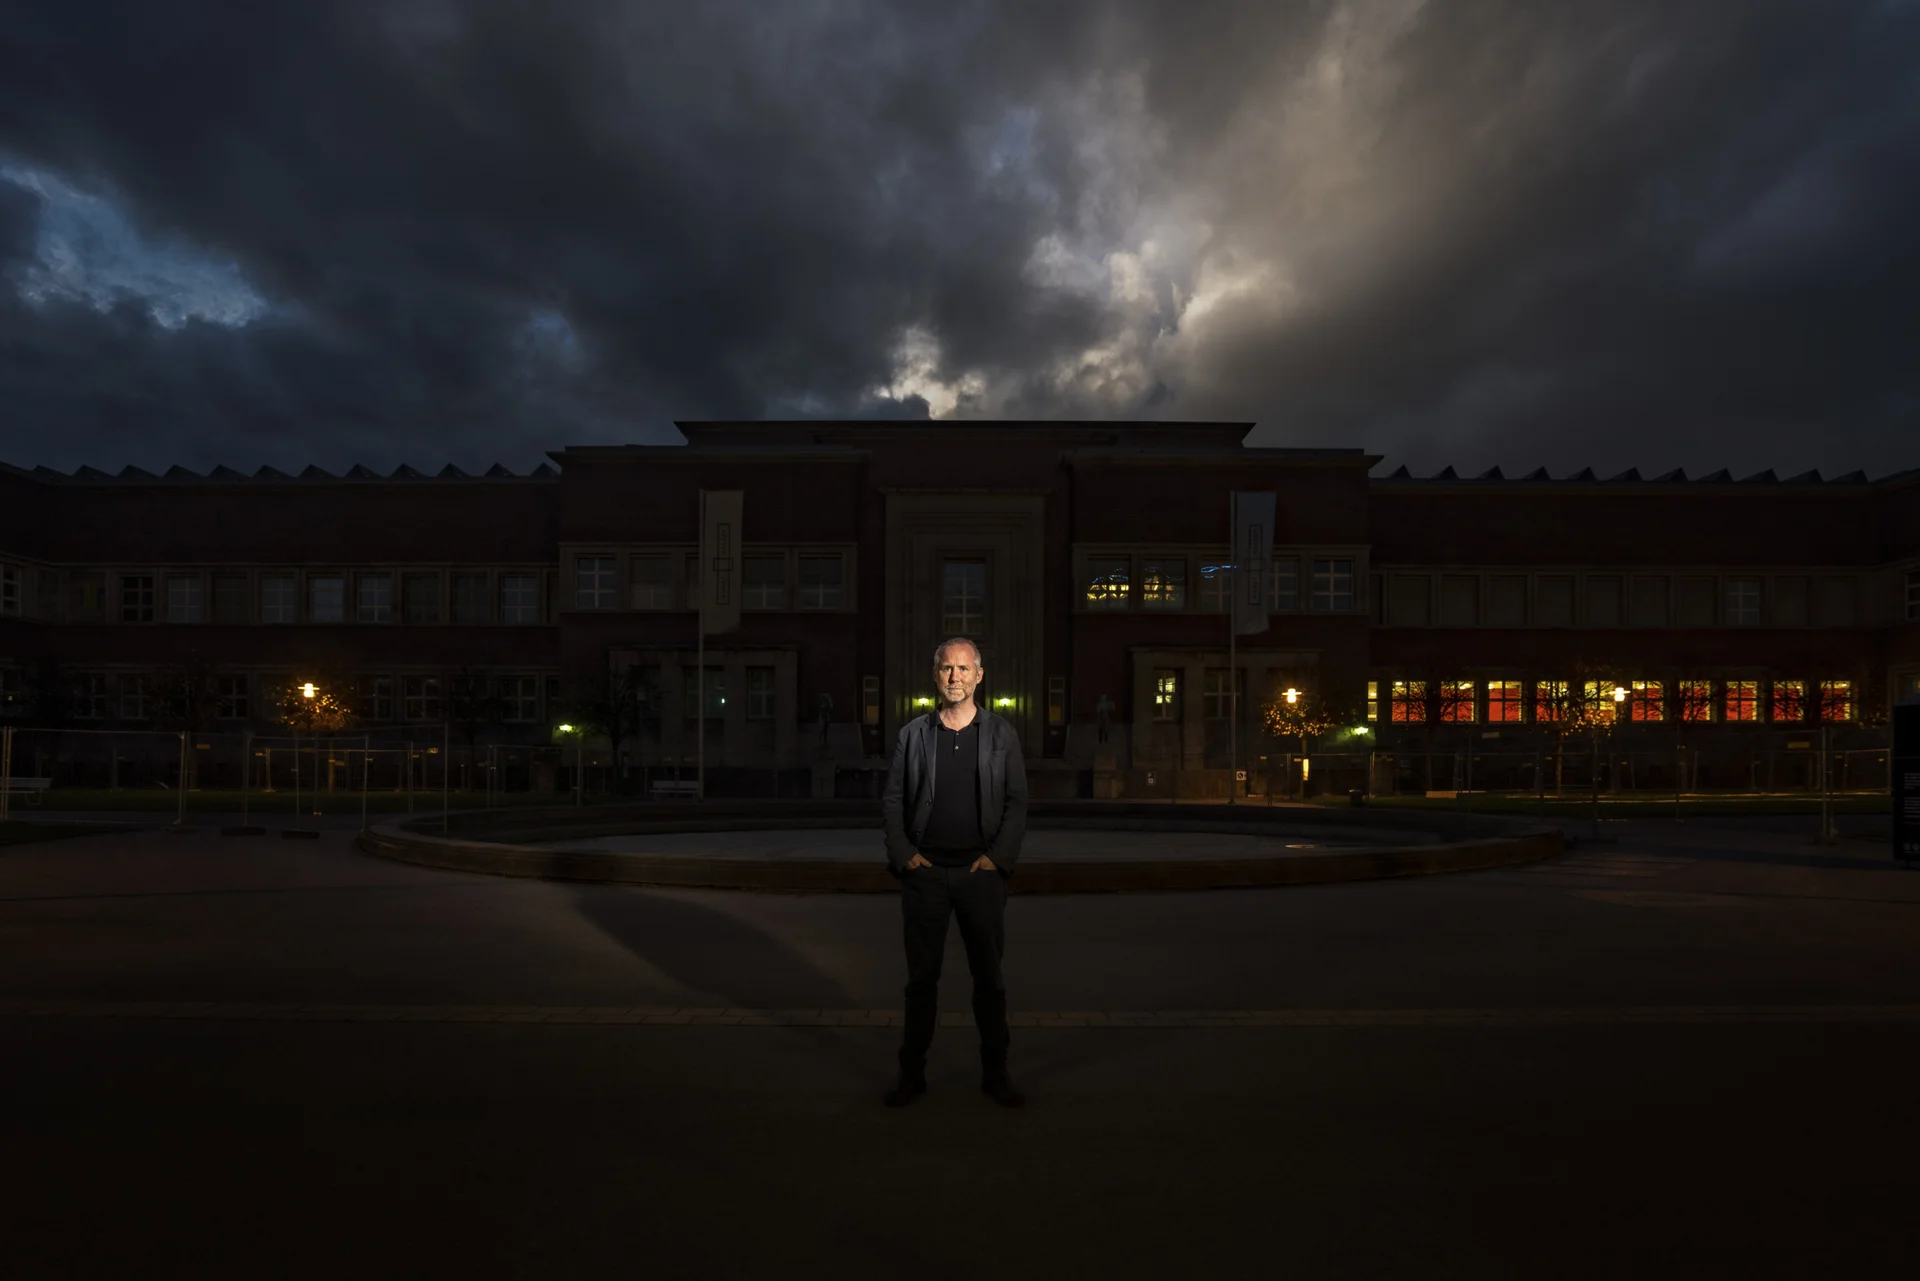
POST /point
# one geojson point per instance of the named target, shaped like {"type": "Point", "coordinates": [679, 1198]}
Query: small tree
{"type": "Point", "coordinates": [322, 713]}
{"type": "Point", "coordinates": [1318, 707]}
{"type": "Point", "coordinates": [613, 705]}
{"type": "Point", "coordinates": [475, 707]}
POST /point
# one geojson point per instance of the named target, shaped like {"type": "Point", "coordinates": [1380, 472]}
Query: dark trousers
{"type": "Point", "coordinates": [928, 896]}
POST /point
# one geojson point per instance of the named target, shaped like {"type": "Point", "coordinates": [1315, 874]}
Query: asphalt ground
{"type": "Point", "coordinates": [1684, 1052]}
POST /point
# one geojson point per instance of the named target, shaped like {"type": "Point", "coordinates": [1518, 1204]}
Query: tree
{"type": "Point", "coordinates": [613, 705]}
{"type": "Point", "coordinates": [323, 713]}
{"type": "Point", "coordinates": [1320, 706]}
{"type": "Point", "coordinates": [475, 707]}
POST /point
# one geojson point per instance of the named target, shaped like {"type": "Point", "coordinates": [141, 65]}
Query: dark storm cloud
{"type": "Point", "coordinates": [1626, 234]}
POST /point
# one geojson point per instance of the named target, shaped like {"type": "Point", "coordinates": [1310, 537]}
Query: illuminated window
{"type": "Point", "coordinates": [1332, 584]}
{"type": "Point", "coordinates": [763, 582]}
{"type": "Point", "coordinates": [519, 598]}
{"type": "Point", "coordinates": [822, 581]}
{"type": "Point", "coordinates": [276, 599]}
{"type": "Point", "coordinates": [1549, 701]}
{"type": "Point", "coordinates": [1166, 694]}
{"type": "Point", "coordinates": [1789, 701]}
{"type": "Point", "coordinates": [1694, 700]}
{"type": "Point", "coordinates": [327, 599]}
{"type": "Point", "coordinates": [1646, 701]}
{"type": "Point", "coordinates": [1107, 581]}
{"type": "Point", "coordinates": [1409, 701]}
{"type": "Point", "coordinates": [1599, 699]}
{"type": "Point", "coordinates": [1373, 700]}
{"type": "Point", "coordinates": [1456, 701]}
{"type": "Point", "coordinates": [593, 586]}
{"type": "Point", "coordinates": [1163, 583]}
{"type": "Point", "coordinates": [1743, 602]}
{"type": "Point", "coordinates": [136, 598]}
{"type": "Point", "coordinates": [1286, 584]}
{"type": "Point", "coordinates": [1743, 700]}
{"type": "Point", "coordinates": [1504, 705]}
{"type": "Point", "coordinates": [1836, 700]}
{"type": "Point", "coordinates": [1219, 694]}
{"type": "Point", "coordinates": [185, 600]}
{"type": "Point", "coordinates": [1216, 588]}
{"type": "Point", "coordinates": [375, 598]}
{"type": "Point", "coordinates": [963, 596]}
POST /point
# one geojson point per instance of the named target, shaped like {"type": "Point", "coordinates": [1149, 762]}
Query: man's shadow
{"type": "Point", "coordinates": [706, 950]}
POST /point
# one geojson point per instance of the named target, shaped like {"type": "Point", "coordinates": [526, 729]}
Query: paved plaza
{"type": "Point", "coordinates": [1682, 1052]}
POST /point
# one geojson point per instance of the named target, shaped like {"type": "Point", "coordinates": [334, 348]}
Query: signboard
{"type": "Point", "coordinates": [1906, 782]}
{"type": "Point", "coordinates": [1239, 776]}
{"type": "Point", "coordinates": [1149, 778]}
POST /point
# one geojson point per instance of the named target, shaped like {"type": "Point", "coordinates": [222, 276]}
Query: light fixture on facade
{"type": "Point", "coordinates": [1292, 695]}
{"type": "Point", "coordinates": [1003, 702]}
{"type": "Point", "coordinates": [564, 729]}
{"type": "Point", "coordinates": [307, 690]}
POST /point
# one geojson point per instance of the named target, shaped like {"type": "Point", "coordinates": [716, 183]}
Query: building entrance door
{"type": "Point", "coordinates": [966, 565]}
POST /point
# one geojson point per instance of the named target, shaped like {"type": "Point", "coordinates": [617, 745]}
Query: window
{"type": "Point", "coordinates": [1459, 600]}
{"type": "Point", "coordinates": [136, 598]}
{"type": "Point", "coordinates": [646, 677]}
{"type": "Point", "coordinates": [277, 599]}
{"type": "Point", "coordinates": [715, 692]}
{"type": "Point", "coordinates": [1597, 697]}
{"type": "Point", "coordinates": [326, 599]}
{"type": "Point", "coordinates": [1286, 584]}
{"type": "Point", "coordinates": [763, 583]}
{"type": "Point", "coordinates": [422, 598]}
{"type": "Point", "coordinates": [1789, 701]}
{"type": "Point", "coordinates": [1457, 702]}
{"type": "Point", "coordinates": [229, 598]}
{"type": "Point", "coordinates": [376, 699]}
{"type": "Point", "coordinates": [186, 601]}
{"type": "Point", "coordinates": [1332, 584]}
{"type": "Point", "coordinates": [375, 598]}
{"type": "Point", "coordinates": [1646, 701]}
{"type": "Point", "coordinates": [1216, 588]}
{"type": "Point", "coordinates": [89, 597]}
{"type": "Point", "coordinates": [963, 596]}
{"type": "Point", "coordinates": [1166, 694]}
{"type": "Point", "coordinates": [1408, 701]}
{"type": "Point", "coordinates": [519, 598]}
{"type": "Point", "coordinates": [759, 693]}
{"type": "Point", "coordinates": [1163, 582]}
{"type": "Point", "coordinates": [1503, 703]}
{"type": "Point", "coordinates": [90, 696]}
{"type": "Point", "coordinates": [652, 582]}
{"type": "Point", "coordinates": [1693, 701]}
{"type": "Point", "coordinates": [1549, 697]}
{"type": "Point", "coordinates": [134, 698]}
{"type": "Point", "coordinates": [230, 698]}
{"type": "Point", "coordinates": [593, 582]}
{"type": "Point", "coordinates": [469, 598]}
{"type": "Point", "coordinates": [870, 700]}
{"type": "Point", "coordinates": [1913, 595]}
{"type": "Point", "coordinates": [1107, 581]}
{"type": "Point", "coordinates": [1743, 700]}
{"type": "Point", "coordinates": [519, 698]}
{"type": "Point", "coordinates": [1219, 694]}
{"type": "Point", "coordinates": [1743, 602]}
{"type": "Point", "coordinates": [1373, 700]}
{"type": "Point", "coordinates": [420, 697]}
{"type": "Point", "coordinates": [9, 590]}
{"type": "Point", "coordinates": [1836, 700]}
{"type": "Point", "coordinates": [820, 582]}
{"type": "Point", "coordinates": [1603, 600]}
{"type": "Point", "coordinates": [1056, 700]}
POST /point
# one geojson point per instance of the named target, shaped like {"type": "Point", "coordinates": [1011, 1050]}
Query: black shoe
{"type": "Point", "coordinates": [1000, 1087]}
{"type": "Point", "coordinates": [904, 1091]}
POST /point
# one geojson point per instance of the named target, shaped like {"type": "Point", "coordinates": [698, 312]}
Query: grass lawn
{"type": "Point", "coordinates": [86, 800]}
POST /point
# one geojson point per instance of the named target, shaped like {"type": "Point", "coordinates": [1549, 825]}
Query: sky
{"type": "Point", "coordinates": [1638, 233]}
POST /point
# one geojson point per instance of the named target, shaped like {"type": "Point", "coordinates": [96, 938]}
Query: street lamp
{"type": "Point", "coordinates": [1292, 694]}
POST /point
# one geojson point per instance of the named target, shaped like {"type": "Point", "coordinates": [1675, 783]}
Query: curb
{"type": "Point", "coordinates": [871, 877]}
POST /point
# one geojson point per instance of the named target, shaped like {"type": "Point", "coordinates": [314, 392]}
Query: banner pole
{"type": "Point", "coordinates": [6, 771]}
{"type": "Point", "coordinates": [1233, 674]}
{"type": "Point", "coordinates": [180, 819]}
{"type": "Point", "coordinates": [700, 662]}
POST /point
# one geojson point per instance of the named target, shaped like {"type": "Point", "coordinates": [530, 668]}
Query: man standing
{"type": "Point", "coordinates": [956, 811]}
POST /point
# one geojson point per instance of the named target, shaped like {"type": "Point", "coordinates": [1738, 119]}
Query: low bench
{"type": "Point", "coordinates": [675, 787]}
{"type": "Point", "coordinates": [33, 789]}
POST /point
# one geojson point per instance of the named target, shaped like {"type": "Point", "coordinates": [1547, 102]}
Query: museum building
{"type": "Point", "coordinates": [1090, 560]}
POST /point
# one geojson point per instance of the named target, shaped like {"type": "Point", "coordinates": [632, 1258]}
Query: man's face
{"type": "Point", "coordinates": [956, 673]}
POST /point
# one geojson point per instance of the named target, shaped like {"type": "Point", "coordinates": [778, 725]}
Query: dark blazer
{"type": "Point", "coordinates": [908, 803]}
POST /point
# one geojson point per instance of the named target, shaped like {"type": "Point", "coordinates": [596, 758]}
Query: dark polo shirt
{"type": "Point", "coordinates": [953, 837]}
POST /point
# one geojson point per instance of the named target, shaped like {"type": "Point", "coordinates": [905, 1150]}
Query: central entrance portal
{"type": "Point", "coordinates": [970, 565]}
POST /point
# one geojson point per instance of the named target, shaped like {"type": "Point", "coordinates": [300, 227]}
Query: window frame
{"type": "Point", "coordinates": [1336, 604]}
{"type": "Point", "coordinates": [520, 613]}
{"type": "Point", "coordinates": [1099, 592]}
{"type": "Point", "coordinates": [1742, 614]}
{"type": "Point", "coordinates": [762, 680]}
{"type": "Point", "coordinates": [596, 580]}
{"type": "Point", "coordinates": [1512, 703]}
{"type": "Point", "coordinates": [314, 583]}
{"type": "Point", "coordinates": [822, 596]}
{"type": "Point", "coordinates": [373, 611]}
{"type": "Point", "coordinates": [137, 600]}
{"type": "Point", "coordinates": [468, 608]}
{"type": "Point", "coordinates": [1172, 594]}
{"type": "Point", "coordinates": [658, 595]}
{"type": "Point", "coordinates": [964, 622]}
{"type": "Point", "coordinates": [1167, 682]}
{"type": "Point", "coordinates": [1740, 702]}
{"type": "Point", "coordinates": [764, 596]}
{"type": "Point", "coordinates": [279, 613]}
{"type": "Point", "coordinates": [194, 588]}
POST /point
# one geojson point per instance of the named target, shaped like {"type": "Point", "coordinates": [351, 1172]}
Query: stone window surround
{"type": "Point", "coordinates": [251, 575]}
{"type": "Point", "coordinates": [678, 554]}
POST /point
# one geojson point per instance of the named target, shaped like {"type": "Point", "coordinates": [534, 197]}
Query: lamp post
{"type": "Point", "coordinates": [577, 788]}
{"type": "Point", "coordinates": [307, 691]}
{"type": "Point", "coordinates": [1292, 696]}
